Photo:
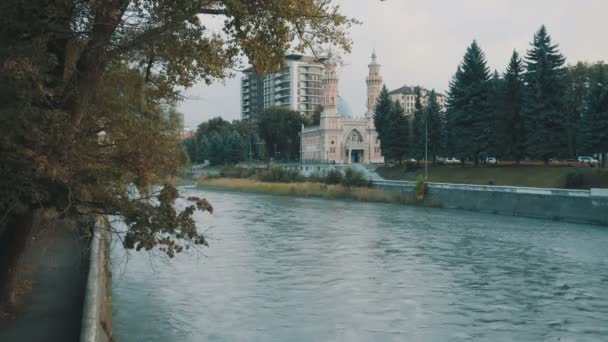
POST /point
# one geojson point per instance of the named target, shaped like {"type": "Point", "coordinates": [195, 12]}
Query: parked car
{"type": "Point", "coordinates": [588, 160]}
{"type": "Point", "coordinates": [452, 161]}
{"type": "Point", "coordinates": [491, 160]}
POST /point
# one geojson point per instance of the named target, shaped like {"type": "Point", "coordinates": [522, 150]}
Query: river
{"type": "Point", "coordinates": [298, 269]}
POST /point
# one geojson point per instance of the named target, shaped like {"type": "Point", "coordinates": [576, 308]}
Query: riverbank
{"type": "Point", "coordinates": [309, 189]}
{"type": "Point", "coordinates": [527, 176]}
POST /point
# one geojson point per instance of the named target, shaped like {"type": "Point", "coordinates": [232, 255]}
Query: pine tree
{"type": "Point", "coordinates": [395, 146]}
{"type": "Point", "coordinates": [595, 115]}
{"type": "Point", "coordinates": [510, 132]}
{"type": "Point", "coordinates": [495, 86]}
{"type": "Point", "coordinates": [382, 113]}
{"type": "Point", "coordinates": [434, 126]}
{"type": "Point", "coordinates": [418, 123]}
{"type": "Point", "coordinates": [544, 103]}
{"type": "Point", "coordinates": [469, 116]}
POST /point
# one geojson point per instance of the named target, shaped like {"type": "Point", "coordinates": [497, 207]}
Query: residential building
{"type": "Point", "coordinates": [406, 96]}
{"type": "Point", "coordinates": [298, 86]}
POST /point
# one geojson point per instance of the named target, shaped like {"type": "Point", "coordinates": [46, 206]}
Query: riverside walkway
{"type": "Point", "coordinates": [55, 265]}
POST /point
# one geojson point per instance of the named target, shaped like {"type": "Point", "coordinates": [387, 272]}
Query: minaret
{"type": "Point", "coordinates": [374, 84]}
{"type": "Point", "coordinates": [330, 90]}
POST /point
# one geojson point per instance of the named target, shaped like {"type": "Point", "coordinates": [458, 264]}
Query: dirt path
{"type": "Point", "coordinates": [54, 267]}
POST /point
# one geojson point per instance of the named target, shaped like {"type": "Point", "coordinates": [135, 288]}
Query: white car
{"type": "Point", "coordinates": [452, 161]}
{"type": "Point", "coordinates": [491, 160]}
{"type": "Point", "coordinates": [588, 160]}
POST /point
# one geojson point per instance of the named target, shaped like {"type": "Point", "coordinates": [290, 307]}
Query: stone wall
{"type": "Point", "coordinates": [581, 206]}
{"type": "Point", "coordinates": [97, 309]}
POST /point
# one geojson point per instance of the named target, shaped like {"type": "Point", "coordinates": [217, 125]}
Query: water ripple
{"type": "Point", "coordinates": [293, 269]}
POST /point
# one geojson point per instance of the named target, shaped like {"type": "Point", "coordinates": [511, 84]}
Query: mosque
{"type": "Point", "coordinates": [341, 138]}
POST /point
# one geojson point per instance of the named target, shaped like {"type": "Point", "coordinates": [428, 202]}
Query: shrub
{"type": "Point", "coordinates": [279, 174]}
{"type": "Point", "coordinates": [333, 177]}
{"type": "Point", "coordinates": [236, 172]}
{"type": "Point", "coordinates": [354, 178]}
{"type": "Point", "coordinates": [420, 188]}
{"type": "Point", "coordinates": [411, 166]}
{"type": "Point", "coordinates": [574, 180]}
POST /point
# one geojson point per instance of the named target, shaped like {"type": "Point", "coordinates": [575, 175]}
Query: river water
{"type": "Point", "coordinates": [297, 269]}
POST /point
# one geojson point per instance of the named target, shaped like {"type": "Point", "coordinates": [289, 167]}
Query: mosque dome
{"type": "Point", "coordinates": [344, 108]}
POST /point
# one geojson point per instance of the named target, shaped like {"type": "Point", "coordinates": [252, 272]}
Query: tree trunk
{"type": "Point", "coordinates": [12, 246]}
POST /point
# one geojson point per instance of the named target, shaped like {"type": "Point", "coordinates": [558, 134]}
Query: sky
{"type": "Point", "coordinates": [422, 43]}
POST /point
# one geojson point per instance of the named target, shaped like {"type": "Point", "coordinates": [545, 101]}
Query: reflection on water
{"type": "Point", "coordinates": [294, 269]}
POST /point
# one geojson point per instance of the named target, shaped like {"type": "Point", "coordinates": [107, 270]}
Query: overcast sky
{"type": "Point", "coordinates": [422, 42]}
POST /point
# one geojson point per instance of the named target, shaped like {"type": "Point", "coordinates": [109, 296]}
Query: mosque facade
{"type": "Point", "coordinates": [341, 138]}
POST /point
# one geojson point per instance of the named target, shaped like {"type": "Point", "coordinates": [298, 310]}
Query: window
{"type": "Point", "coordinates": [355, 137]}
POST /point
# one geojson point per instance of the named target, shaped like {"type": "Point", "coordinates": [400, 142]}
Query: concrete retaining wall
{"type": "Point", "coordinates": [97, 309]}
{"type": "Point", "coordinates": [581, 206]}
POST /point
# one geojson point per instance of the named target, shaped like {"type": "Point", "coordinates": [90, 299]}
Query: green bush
{"type": "Point", "coordinates": [420, 188]}
{"type": "Point", "coordinates": [411, 166]}
{"type": "Point", "coordinates": [236, 172]}
{"type": "Point", "coordinates": [574, 180]}
{"type": "Point", "coordinates": [333, 177]}
{"type": "Point", "coordinates": [354, 178]}
{"type": "Point", "coordinates": [279, 174]}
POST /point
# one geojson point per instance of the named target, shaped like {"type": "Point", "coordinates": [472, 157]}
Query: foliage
{"type": "Point", "coordinates": [468, 112]}
{"type": "Point", "coordinates": [544, 96]}
{"type": "Point", "coordinates": [89, 90]}
{"type": "Point", "coordinates": [236, 172]}
{"type": "Point", "coordinates": [420, 188]}
{"type": "Point", "coordinates": [280, 174]}
{"type": "Point", "coordinates": [382, 112]}
{"type": "Point", "coordinates": [510, 129]}
{"type": "Point", "coordinates": [333, 177]}
{"type": "Point", "coordinates": [418, 123]}
{"type": "Point", "coordinates": [574, 180]}
{"type": "Point", "coordinates": [280, 128]}
{"type": "Point", "coordinates": [353, 178]}
{"type": "Point", "coordinates": [394, 141]}
{"type": "Point", "coordinates": [435, 126]}
{"type": "Point", "coordinates": [594, 127]}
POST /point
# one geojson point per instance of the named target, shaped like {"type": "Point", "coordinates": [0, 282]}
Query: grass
{"type": "Point", "coordinates": [308, 189]}
{"type": "Point", "coordinates": [530, 176]}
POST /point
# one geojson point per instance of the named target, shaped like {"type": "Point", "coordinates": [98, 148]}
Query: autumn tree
{"type": "Point", "coordinates": [87, 94]}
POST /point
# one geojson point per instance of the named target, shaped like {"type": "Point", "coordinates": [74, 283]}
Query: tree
{"type": "Point", "coordinates": [85, 87]}
{"type": "Point", "coordinates": [595, 114]}
{"type": "Point", "coordinates": [418, 123]}
{"type": "Point", "coordinates": [395, 144]}
{"type": "Point", "coordinates": [434, 126]}
{"type": "Point", "coordinates": [510, 129]}
{"type": "Point", "coordinates": [469, 115]}
{"type": "Point", "coordinates": [544, 95]}
{"type": "Point", "coordinates": [233, 148]}
{"type": "Point", "coordinates": [217, 124]}
{"type": "Point", "coordinates": [280, 127]}
{"type": "Point", "coordinates": [382, 112]}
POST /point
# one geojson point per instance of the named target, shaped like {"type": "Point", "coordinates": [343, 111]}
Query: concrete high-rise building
{"type": "Point", "coordinates": [406, 96]}
{"type": "Point", "coordinates": [252, 93]}
{"type": "Point", "coordinates": [299, 86]}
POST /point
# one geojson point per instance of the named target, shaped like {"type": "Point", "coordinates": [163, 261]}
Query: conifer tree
{"type": "Point", "coordinates": [434, 126]}
{"type": "Point", "coordinates": [510, 132]}
{"type": "Point", "coordinates": [382, 112]}
{"type": "Point", "coordinates": [395, 145]}
{"type": "Point", "coordinates": [418, 123]}
{"type": "Point", "coordinates": [469, 117]}
{"type": "Point", "coordinates": [544, 99]}
{"type": "Point", "coordinates": [495, 86]}
{"type": "Point", "coordinates": [595, 116]}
